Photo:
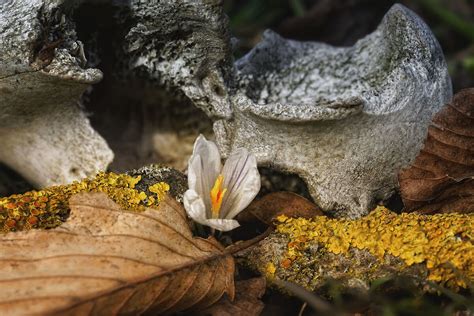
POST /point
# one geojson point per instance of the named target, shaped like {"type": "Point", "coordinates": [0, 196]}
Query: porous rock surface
{"type": "Point", "coordinates": [345, 119]}
{"type": "Point", "coordinates": [44, 134]}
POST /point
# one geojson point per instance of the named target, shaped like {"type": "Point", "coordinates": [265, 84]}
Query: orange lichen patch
{"type": "Point", "coordinates": [32, 220]}
{"type": "Point", "coordinates": [49, 207]}
{"type": "Point", "coordinates": [10, 223]}
{"type": "Point", "coordinates": [444, 243]}
{"type": "Point", "coordinates": [285, 263]}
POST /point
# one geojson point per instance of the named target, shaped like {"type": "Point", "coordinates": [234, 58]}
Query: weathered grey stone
{"type": "Point", "coordinates": [44, 134]}
{"type": "Point", "coordinates": [345, 119]}
{"type": "Point", "coordinates": [184, 44]}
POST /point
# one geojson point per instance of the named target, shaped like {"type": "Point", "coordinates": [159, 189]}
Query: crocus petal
{"type": "Point", "coordinates": [196, 209]}
{"type": "Point", "coordinates": [222, 224]}
{"type": "Point", "coordinates": [242, 180]}
{"type": "Point", "coordinates": [204, 167]}
{"type": "Point", "coordinates": [194, 206]}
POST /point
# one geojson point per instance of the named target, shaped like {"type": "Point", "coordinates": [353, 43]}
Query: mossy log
{"type": "Point", "coordinates": [430, 248]}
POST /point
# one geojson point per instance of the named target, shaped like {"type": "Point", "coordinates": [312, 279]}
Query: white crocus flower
{"type": "Point", "coordinates": [217, 194]}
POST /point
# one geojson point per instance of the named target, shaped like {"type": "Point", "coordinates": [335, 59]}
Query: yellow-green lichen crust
{"type": "Point", "coordinates": [442, 244]}
{"type": "Point", "coordinates": [49, 207]}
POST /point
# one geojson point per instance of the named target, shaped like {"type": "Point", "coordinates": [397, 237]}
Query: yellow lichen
{"type": "Point", "coordinates": [49, 207]}
{"type": "Point", "coordinates": [160, 189]}
{"type": "Point", "coordinates": [270, 269]}
{"type": "Point", "coordinates": [442, 242]}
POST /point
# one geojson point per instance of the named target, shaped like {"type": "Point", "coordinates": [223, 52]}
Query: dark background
{"type": "Point", "coordinates": [343, 22]}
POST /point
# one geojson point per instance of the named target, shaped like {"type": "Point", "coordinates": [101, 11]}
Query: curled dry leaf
{"type": "Point", "coordinates": [106, 261]}
{"type": "Point", "coordinates": [441, 179]}
{"type": "Point", "coordinates": [247, 300]}
{"type": "Point", "coordinates": [271, 205]}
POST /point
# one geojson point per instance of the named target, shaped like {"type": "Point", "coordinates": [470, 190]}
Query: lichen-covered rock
{"type": "Point", "coordinates": [437, 248]}
{"type": "Point", "coordinates": [49, 207]}
{"type": "Point", "coordinates": [155, 174]}
{"type": "Point", "coordinates": [44, 134]}
{"type": "Point", "coordinates": [345, 119]}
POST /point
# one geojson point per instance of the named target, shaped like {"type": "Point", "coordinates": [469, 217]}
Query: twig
{"type": "Point", "coordinates": [244, 245]}
{"type": "Point", "coordinates": [303, 307]}
{"type": "Point", "coordinates": [319, 305]}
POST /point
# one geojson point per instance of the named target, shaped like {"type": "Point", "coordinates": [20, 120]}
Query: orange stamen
{"type": "Point", "coordinates": [217, 195]}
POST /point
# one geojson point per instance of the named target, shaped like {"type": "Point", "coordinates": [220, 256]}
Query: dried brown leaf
{"type": "Point", "coordinates": [247, 300]}
{"type": "Point", "coordinates": [106, 261]}
{"type": "Point", "coordinates": [271, 205]}
{"type": "Point", "coordinates": [441, 179]}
